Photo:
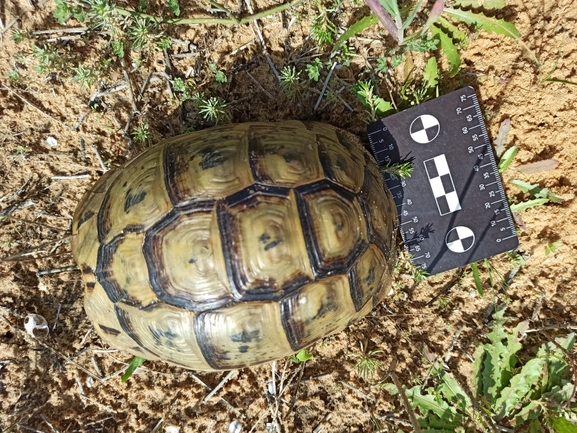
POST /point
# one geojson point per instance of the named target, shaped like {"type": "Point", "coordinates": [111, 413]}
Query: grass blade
{"type": "Point", "coordinates": [477, 278]}
{"type": "Point", "coordinates": [358, 27]}
{"type": "Point", "coordinates": [134, 364]}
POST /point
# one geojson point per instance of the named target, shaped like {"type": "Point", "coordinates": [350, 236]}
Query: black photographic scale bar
{"type": "Point", "coordinates": [452, 209]}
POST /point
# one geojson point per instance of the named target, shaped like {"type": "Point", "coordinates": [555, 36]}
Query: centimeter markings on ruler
{"type": "Point", "coordinates": [494, 187]}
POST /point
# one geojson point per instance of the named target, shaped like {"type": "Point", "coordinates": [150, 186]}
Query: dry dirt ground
{"type": "Point", "coordinates": [61, 383]}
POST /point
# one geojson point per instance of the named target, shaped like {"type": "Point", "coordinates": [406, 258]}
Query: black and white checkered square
{"type": "Point", "coordinates": [442, 184]}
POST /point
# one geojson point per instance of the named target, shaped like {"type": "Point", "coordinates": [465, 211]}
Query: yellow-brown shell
{"type": "Point", "coordinates": [235, 245]}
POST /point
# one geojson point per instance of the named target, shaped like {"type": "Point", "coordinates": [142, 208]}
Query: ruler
{"type": "Point", "coordinates": [452, 209]}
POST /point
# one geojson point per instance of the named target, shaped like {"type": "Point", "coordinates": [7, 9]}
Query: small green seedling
{"type": "Point", "coordinates": [141, 133]}
{"type": "Point", "coordinates": [366, 364]}
{"type": "Point", "coordinates": [314, 69]}
{"type": "Point", "coordinates": [301, 356]}
{"type": "Point", "coordinates": [375, 105]}
{"type": "Point", "coordinates": [398, 169]}
{"type": "Point", "coordinates": [212, 109]}
{"type": "Point", "coordinates": [540, 196]}
{"type": "Point", "coordinates": [507, 158]}
{"type": "Point", "coordinates": [552, 247]}
{"type": "Point", "coordinates": [134, 364]}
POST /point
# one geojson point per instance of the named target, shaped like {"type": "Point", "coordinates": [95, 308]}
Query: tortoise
{"type": "Point", "coordinates": [235, 245]}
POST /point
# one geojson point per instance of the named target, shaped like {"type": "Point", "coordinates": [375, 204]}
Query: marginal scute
{"type": "Point", "coordinates": [210, 168]}
{"type": "Point", "coordinates": [101, 311]}
{"type": "Point", "coordinates": [166, 331]}
{"type": "Point", "coordinates": [285, 157]}
{"type": "Point", "coordinates": [367, 276]}
{"type": "Point", "coordinates": [254, 329]}
{"type": "Point", "coordinates": [135, 200]}
{"type": "Point", "coordinates": [318, 309]}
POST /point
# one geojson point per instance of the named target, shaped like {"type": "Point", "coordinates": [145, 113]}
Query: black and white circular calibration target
{"type": "Point", "coordinates": [460, 239]}
{"type": "Point", "coordinates": [424, 129]}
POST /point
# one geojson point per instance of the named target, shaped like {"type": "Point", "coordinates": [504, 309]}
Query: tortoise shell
{"type": "Point", "coordinates": [235, 245]}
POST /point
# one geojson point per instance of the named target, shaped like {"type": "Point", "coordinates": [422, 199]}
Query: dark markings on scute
{"type": "Point", "coordinates": [243, 349]}
{"type": "Point", "coordinates": [108, 330]}
{"type": "Point", "coordinates": [247, 194]}
{"type": "Point", "coordinates": [104, 272]}
{"type": "Point", "coordinates": [152, 251]}
{"type": "Point", "coordinates": [85, 217]}
{"type": "Point", "coordinates": [293, 329]}
{"type": "Point", "coordinates": [272, 244]}
{"type": "Point", "coordinates": [161, 337]}
{"type": "Point", "coordinates": [211, 354]}
{"type": "Point", "coordinates": [246, 337]}
{"type": "Point", "coordinates": [370, 278]}
{"type": "Point", "coordinates": [356, 295]}
{"type": "Point", "coordinates": [133, 199]}
{"type": "Point", "coordinates": [211, 158]}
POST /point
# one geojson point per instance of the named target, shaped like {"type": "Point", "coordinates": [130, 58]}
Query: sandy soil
{"type": "Point", "coordinates": [66, 382]}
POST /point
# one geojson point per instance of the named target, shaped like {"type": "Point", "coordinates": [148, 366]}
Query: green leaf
{"type": "Point", "coordinates": [449, 48]}
{"type": "Point", "coordinates": [391, 7]}
{"type": "Point", "coordinates": [134, 364]}
{"type": "Point", "coordinates": [62, 12]}
{"type": "Point", "coordinates": [526, 187]}
{"type": "Point", "coordinates": [431, 73]}
{"type": "Point", "coordinates": [520, 207]}
{"type": "Point", "coordinates": [501, 27]}
{"type": "Point", "coordinates": [531, 411]}
{"type": "Point", "coordinates": [507, 158]}
{"type": "Point", "coordinates": [519, 387]}
{"type": "Point", "coordinates": [301, 356]}
{"type": "Point", "coordinates": [487, 4]}
{"type": "Point", "coordinates": [458, 35]}
{"type": "Point", "coordinates": [563, 425]}
{"type": "Point", "coordinates": [477, 278]}
{"type": "Point", "coordinates": [391, 387]}
{"type": "Point", "coordinates": [358, 27]}
{"type": "Point", "coordinates": [174, 7]}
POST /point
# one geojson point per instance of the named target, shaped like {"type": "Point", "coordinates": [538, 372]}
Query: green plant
{"type": "Point", "coordinates": [13, 75]}
{"type": "Point", "coordinates": [212, 109]}
{"type": "Point", "coordinates": [301, 356]}
{"type": "Point", "coordinates": [552, 247]}
{"type": "Point", "coordinates": [366, 365]}
{"type": "Point", "coordinates": [84, 75]}
{"type": "Point", "coordinates": [438, 30]}
{"type": "Point", "coordinates": [540, 196]}
{"type": "Point", "coordinates": [141, 133]}
{"type": "Point", "coordinates": [314, 69]}
{"type": "Point", "coordinates": [323, 30]}
{"type": "Point", "coordinates": [396, 170]}
{"type": "Point", "coordinates": [516, 389]}
{"type": "Point", "coordinates": [290, 80]}
{"type": "Point", "coordinates": [19, 35]}
{"type": "Point", "coordinates": [219, 75]}
{"type": "Point", "coordinates": [134, 364]}
{"type": "Point", "coordinates": [375, 105]}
